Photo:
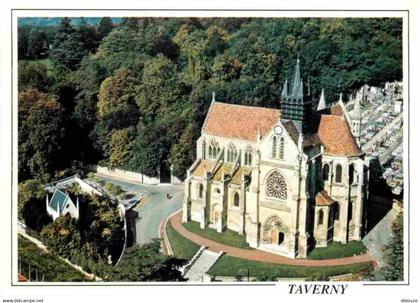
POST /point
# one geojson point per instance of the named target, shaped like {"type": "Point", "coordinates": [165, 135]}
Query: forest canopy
{"type": "Point", "coordinates": [134, 94]}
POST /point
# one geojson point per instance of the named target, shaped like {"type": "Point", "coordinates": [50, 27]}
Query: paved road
{"type": "Point", "coordinates": [379, 236]}
{"type": "Point", "coordinates": [156, 209]}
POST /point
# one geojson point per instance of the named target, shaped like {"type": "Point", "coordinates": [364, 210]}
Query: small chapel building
{"type": "Point", "coordinates": [290, 179]}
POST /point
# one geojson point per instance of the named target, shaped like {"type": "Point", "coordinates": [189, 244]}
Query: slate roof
{"type": "Point", "coordinates": [58, 200]}
{"type": "Point", "coordinates": [239, 121]}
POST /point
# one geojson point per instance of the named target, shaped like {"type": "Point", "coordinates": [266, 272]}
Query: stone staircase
{"type": "Point", "coordinates": [203, 261]}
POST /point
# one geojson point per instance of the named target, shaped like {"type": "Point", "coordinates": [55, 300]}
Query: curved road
{"type": "Point", "coordinates": [157, 207]}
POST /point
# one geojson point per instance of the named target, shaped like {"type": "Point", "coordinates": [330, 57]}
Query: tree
{"type": "Point", "coordinates": [37, 44]}
{"type": "Point", "coordinates": [393, 267]}
{"type": "Point", "coordinates": [105, 27]}
{"type": "Point", "coordinates": [33, 75]}
{"type": "Point", "coordinates": [29, 190]}
{"type": "Point", "coordinates": [146, 263]}
{"type": "Point", "coordinates": [121, 143]}
{"type": "Point", "coordinates": [88, 36]}
{"type": "Point", "coordinates": [183, 153]}
{"type": "Point", "coordinates": [41, 134]}
{"type": "Point", "coordinates": [67, 49]}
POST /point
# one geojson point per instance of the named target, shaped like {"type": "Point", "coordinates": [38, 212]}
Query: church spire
{"type": "Point", "coordinates": [356, 110]}
{"type": "Point", "coordinates": [296, 80]}
{"type": "Point", "coordinates": [322, 105]}
{"type": "Point", "coordinates": [284, 92]}
{"type": "Point", "coordinates": [300, 93]}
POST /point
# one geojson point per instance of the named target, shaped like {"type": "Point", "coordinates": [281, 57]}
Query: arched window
{"type": "Point", "coordinates": [351, 174]}
{"type": "Point", "coordinates": [276, 186]}
{"type": "Point", "coordinates": [213, 149]}
{"type": "Point", "coordinates": [326, 172]}
{"type": "Point", "coordinates": [200, 191]}
{"type": "Point", "coordinates": [321, 217]}
{"type": "Point", "coordinates": [236, 199]}
{"type": "Point", "coordinates": [338, 172]}
{"type": "Point", "coordinates": [274, 148]}
{"type": "Point", "coordinates": [231, 153]}
{"type": "Point", "coordinates": [281, 150]}
{"type": "Point", "coordinates": [248, 155]}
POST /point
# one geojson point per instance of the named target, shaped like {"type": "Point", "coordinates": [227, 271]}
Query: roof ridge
{"type": "Point", "coordinates": [248, 106]}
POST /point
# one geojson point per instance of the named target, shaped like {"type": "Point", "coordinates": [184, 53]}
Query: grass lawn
{"type": "Point", "coordinates": [182, 247]}
{"type": "Point", "coordinates": [53, 268]}
{"type": "Point", "coordinates": [231, 266]}
{"type": "Point", "coordinates": [227, 237]}
{"type": "Point", "coordinates": [336, 250]}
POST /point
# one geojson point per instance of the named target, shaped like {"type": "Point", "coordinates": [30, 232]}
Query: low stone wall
{"type": "Point", "coordinates": [125, 175]}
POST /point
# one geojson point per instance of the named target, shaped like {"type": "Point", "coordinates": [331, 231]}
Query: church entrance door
{"type": "Point", "coordinates": [280, 238]}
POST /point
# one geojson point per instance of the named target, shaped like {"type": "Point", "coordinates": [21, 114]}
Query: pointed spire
{"type": "Point", "coordinates": [322, 105]}
{"type": "Point", "coordinates": [357, 114]}
{"type": "Point", "coordinates": [300, 93]}
{"type": "Point", "coordinates": [296, 80]}
{"type": "Point", "coordinates": [284, 93]}
{"type": "Point", "coordinates": [341, 98]}
{"type": "Point", "coordinates": [213, 97]}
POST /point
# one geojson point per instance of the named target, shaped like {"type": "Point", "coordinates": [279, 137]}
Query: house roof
{"type": "Point", "coordinates": [323, 199]}
{"type": "Point", "coordinates": [238, 121]}
{"type": "Point", "coordinates": [58, 200]}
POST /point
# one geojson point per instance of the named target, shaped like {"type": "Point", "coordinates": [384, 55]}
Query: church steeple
{"type": "Point", "coordinates": [284, 93]}
{"type": "Point", "coordinates": [296, 106]}
{"type": "Point", "coordinates": [296, 80]}
{"type": "Point", "coordinates": [322, 104]}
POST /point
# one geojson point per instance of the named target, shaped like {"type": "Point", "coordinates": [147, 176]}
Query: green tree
{"type": "Point", "coordinates": [393, 267]}
{"type": "Point", "coordinates": [41, 135]}
{"type": "Point", "coordinates": [121, 143]}
{"type": "Point", "coordinates": [37, 44]}
{"type": "Point", "coordinates": [67, 48]}
{"type": "Point", "coordinates": [105, 27]}
{"type": "Point", "coordinates": [33, 75]}
{"type": "Point", "coordinates": [146, 263]}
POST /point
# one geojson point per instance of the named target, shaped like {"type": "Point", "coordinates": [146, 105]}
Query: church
{"type": "Point", "coordinates": [289, 179]}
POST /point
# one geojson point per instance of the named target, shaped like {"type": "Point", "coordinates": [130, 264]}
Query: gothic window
{"type": "Point", "coordinates": [213, 149]}
{"type": "Point", "coordinates": [351, 174]}
{"type": "Point", "coordinates": [248, 155]}
{"type": "Point", "coordinates": [326, 172]}
{"type": "Point", "coordinates": [276, 186]}
{"type": "Point", "coordinates": [236, 199]}
{"type": "Point", "coordinates": [281, 150]}
{"type": "Point", "coordinates": [338, 173]}
{"type": "Point", "coordinates": [274, 148]}
{"type": "Point", "coordinates": [321, 217]}
{"type": "Point", "coordinates": [200, 191]}
{"type": "Point", "coordinates": [231, 152]}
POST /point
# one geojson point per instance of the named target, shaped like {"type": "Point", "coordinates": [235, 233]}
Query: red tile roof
{"type": "Point", "coordinates": [335, 134]}
{"type": "Point", "coordinates": [238, 121]}
{"type": "Point", "coordinates": [202, 167]}
{"type": "Point", "coordinates": [323, 199]}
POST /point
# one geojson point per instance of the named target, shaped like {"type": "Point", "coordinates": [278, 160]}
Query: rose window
{"type": "Point", "coordinates": [276, 186]}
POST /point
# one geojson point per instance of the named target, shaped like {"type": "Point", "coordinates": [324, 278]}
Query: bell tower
{"type": "Point", "coordinates": [295, 105]}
